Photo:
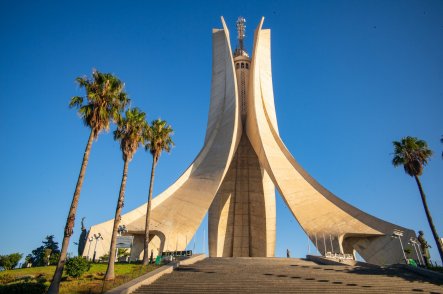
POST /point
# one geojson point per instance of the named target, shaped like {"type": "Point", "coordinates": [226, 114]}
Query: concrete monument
{"type": "Point", "coordinates": [234, 177]}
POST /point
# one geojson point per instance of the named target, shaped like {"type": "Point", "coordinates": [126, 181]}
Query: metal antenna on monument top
{"type": "Point", "coordinates": [241, 28]}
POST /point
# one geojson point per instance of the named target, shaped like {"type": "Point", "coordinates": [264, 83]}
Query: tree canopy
{"type": "Point", "coordinates": [131, 132]}
{"type": "Point", "coordinates": [48, 253]}
{"type": "Point", "coordinates": [10, 261]}
{"type": "Point", "coordinates": [106, 99]}
{"type": "Point", "coordinates": [159, 138]}
{"type": "Point", "coordinates": [412, 153]}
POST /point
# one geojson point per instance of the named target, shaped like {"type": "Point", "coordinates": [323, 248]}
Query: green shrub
{"type": "Point", "coordinates": [19, 288]}
{"type": "Point", "coordinates": [53, 259]}
{"type": "Point", "coordinates": [104, 258]}
{"type": "Point", "coordinates": [77, 266]}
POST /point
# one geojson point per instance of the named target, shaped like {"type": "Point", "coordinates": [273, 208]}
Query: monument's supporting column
{"type": "Point", "coordinates": [242, 216]}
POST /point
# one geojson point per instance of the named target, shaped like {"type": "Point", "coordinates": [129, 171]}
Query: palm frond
{"type": "Point", "coordinates": [130, 132]}
{"type": "Point", "coordinates": [105, 99]}
{"type": "Point", "coordinates": [412, 153]}
{"type": "Point", "coordinates": [76, 102]}
{"type": "Point", "coordinates": [159, 138]}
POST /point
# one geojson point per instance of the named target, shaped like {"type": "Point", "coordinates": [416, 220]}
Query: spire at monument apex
{"type": "Point", "coordinates": [241, 28]}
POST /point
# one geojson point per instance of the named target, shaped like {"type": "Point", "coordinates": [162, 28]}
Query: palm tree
{"type": "Point", "coordinates": [131, 132]}
{"type": "Point", "coordinates": [441, 140]}
{"type": "Point", "coordinates": [413, 155]}
{"type": "Point", "coordinates": [159, 139]}
{"type": "Point", "coordinates": [105, 99]}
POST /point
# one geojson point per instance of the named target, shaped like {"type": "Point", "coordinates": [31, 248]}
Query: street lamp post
{"type": "Point", "coordinates": [332, 246]}
{"type": "Point", "coordinates": [324, 243]}
{"type": "Point", "coordinates": [120, 230]}
{"type": "Point", "coordinates": [398, 234]}
{"type": "Point", "coordinates": [90, 243]}
{"type": "Point", "coordinates": [415, 244]}
{"type": "Point", "coordinates": [97, 238]}
{"type": "Point", "coordinates": [309, 245]}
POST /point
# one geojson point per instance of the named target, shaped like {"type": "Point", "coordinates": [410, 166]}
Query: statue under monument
{"type": "Point", "coordinates": [234, 177]}
{"type": "Point", "coordinates": [82, 239]}
{"type": "Point", "coordinates": [424, 246]}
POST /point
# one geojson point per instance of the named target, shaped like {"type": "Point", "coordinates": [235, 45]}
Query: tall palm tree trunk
{"type": "Point", "coordinates": [148, 213]}
{"type": "Point", "coordinates": [428, 215]}
{"type": "Point", "coordinates": [118, 211]}
{"type": "Point", "coordinates": [55, 284]}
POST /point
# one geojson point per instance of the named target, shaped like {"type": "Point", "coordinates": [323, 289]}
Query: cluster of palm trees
{"type": "Point", "coordinates": [106, 102]}
{"type": "Point", "coordinates": [413, 154]}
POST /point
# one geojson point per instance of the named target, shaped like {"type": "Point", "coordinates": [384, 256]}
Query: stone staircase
{"type": "Point", "coordinates": [287, 275]}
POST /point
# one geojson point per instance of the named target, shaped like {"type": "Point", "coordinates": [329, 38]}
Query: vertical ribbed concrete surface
{"type": "Point", "coordinates": [278, 275]}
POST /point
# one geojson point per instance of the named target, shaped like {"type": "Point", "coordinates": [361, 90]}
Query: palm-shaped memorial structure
{"type": "Point", "coordinates": [235, 174]}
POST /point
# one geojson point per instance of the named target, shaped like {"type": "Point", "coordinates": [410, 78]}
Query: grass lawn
{"type": "Point", "coordinates": [90, 282]}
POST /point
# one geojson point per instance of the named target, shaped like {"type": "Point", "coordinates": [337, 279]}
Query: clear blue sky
{"type": "Point", "coordinates": [349, 78]}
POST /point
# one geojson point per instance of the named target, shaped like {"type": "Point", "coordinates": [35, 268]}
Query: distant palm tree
{"type": "Point", "coordinates": [131, 132]}
{"type": "Point", "coordinates": [441, 140]}
{"type": "Point", "coordinates": [105, 100]}
{"type": "Point", "coordinates": [159, 139]}
{"type": "Point", "coordinates": [413, 155]}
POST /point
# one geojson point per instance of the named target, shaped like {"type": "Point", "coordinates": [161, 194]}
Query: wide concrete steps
{"type": "Point", "coordinates": [287, 275]}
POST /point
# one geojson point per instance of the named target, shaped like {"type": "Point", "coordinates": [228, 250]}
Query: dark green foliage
{"type": "Point", "coordinates": [48, 253]}
{"type": "Point", "coordinates": [10, 261]}
{"type": "Point", "coordinates": [77, 266]}
{"type": "Point", "coordinates": [123, 252]}
{"type": "Point", "coordinates": [413, 154]}
{"type": "Point", "coordinates": [38, 256]}
{"type": "Point", "coordinates": [104, 257]}
{"type": "Point", "coordinates": [51, 244]}
{"type": "Point", "coordinates": [53, 259]}
{"type": "Point", "coordinates": [21, 288]}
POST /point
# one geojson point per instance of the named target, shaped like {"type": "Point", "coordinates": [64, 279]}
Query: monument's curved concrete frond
{"type": "Point", "coordinates": [234, 177]}
{"type": "Point", "coordinates": [178, 211]}
{"type": "Point", "coordinates": [326, 219]}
